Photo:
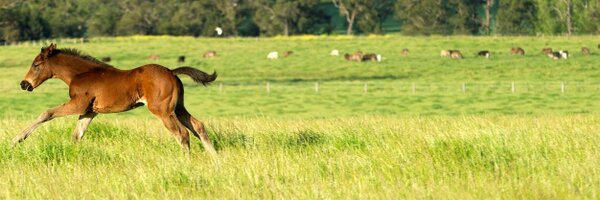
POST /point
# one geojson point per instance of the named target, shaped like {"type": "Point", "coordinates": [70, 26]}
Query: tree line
{"type": "Point", "coordinates": [38, 19]}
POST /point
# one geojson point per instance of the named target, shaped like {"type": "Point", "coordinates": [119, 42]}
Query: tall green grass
{"type": "Point", "coordinates": [552, 157]}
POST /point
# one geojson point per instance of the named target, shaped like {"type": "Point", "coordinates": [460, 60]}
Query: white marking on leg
{"type": "Point", "coordinates": [80, 128]}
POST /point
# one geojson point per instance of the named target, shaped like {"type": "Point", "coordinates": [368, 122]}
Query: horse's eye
{"type": "Point", "coordinates": [36, 65]}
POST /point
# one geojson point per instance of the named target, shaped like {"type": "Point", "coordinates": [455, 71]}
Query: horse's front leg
{"type": "Point", "coordinates": [72, 107]}
{"type": "Point", "coordinates": [82, 125]}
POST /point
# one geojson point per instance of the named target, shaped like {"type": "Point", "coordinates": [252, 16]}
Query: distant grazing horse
{"type": "Point", "coordinates": [456, 54]}
{"type": "Point", "coordinates": [559, 55]}
{"type": "Point", "coordinates": [92, 90]}
{"type": "Point", "coordinates": [564, 54]}
{"type": "Point", "coordinates": [209, 54]}
{"type": "Point", "coordinates": [356, 56]}
{"type": "Point", "coordinates": [554, 55]}
{"type": "Point", "coordinates": [547, 51]}
{"type": "Point", "coordinates": [181, 59]}
{"type": "Point", "coordinates": [153, 57]}
{"type": "Point", "coordinates": [371, 57]}
{"type": "Point", "coordinates": [585, 51]}
{"type": "Point", "coordinates": [517, 51]}
{"type": "Point", "coordinates": [484, 53]}
{"type": "Point", "coordinates": [445, 53]}
{"type": "Point", "coordinates": [405, 52]}
{"type": "Point", "coordinates": [287, 53]}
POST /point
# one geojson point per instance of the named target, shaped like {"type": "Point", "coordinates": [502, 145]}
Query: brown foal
{"type": "Point", "coordinates": [96, 87]}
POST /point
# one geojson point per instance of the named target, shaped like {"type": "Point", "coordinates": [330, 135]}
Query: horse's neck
{"type": "Point", "coordinates": [67, 69]}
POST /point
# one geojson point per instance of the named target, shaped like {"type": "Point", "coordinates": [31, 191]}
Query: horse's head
{"type": "Point", "coordinates": [40, 69]}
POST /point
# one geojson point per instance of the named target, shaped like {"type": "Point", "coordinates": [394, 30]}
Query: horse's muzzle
{"type": "Point", "coordinates": [26, 86]}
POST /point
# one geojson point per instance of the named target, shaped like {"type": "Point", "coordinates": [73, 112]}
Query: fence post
{"type": "Point", "coordinates": [268, 87]}
{"type": "Point", "coordinates": [317, 87]}
{"type": "Point", "coordinates": [464, 88]}
{"type": "Point", "coordinates": [414, 87]}
{"type": "Point", "coordinates": [512, 87]}
{"type": "Point", "coordinates": [366, 88]}
{"type": "Point", "coordinates": [562, 87]}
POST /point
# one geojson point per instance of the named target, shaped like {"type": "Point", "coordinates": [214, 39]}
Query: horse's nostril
{"type": "Point", "coordinates": [26, 86]}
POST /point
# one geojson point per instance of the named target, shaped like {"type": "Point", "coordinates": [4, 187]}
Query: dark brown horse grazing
{"type": "Point", "coordinates": [96, 87]}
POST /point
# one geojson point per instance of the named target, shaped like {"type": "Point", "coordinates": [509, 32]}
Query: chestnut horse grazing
{"type": "Point", "coordinates": [96, 87]}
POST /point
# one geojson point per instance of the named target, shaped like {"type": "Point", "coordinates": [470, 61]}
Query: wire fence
{"type": "Point", "coordinates": [505, 87]}
{"type": "Point", "coordinates": [392, 87]}
{"type": "Point", "coordinates": [46, 42]}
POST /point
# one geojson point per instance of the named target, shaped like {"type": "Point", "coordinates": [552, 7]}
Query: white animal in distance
{"type": "Point", "coordinates": [273, 55]}
{"type": "Point", "coordinates": [335, 52]}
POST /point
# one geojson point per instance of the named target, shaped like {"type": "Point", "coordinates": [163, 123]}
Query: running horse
{"type": "Point", "coordinates": [96, 87]}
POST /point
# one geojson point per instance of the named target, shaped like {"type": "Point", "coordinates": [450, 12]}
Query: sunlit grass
{"type": "Point", "coordinates": [364, 157]}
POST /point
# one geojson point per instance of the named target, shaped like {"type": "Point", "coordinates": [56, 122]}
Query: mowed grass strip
{"type": "Point", "coordinates": [358, 157]}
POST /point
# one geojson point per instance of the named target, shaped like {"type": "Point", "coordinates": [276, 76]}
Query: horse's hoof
{"type": "Point", "coordinates": [16, 141]}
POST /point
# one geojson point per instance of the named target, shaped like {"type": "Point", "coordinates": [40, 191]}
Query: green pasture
{"type": "Point", "coordinates": [414, 127]}
{"type": "Point", "coordinates": [542, 86]}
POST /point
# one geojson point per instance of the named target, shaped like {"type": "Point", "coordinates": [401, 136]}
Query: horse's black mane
{"type": "Point", "coordinates": [75, 52]}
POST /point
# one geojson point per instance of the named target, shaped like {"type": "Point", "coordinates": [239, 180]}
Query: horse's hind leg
{"type": "Point", "coordinates": [170, 121]}
{"type": "Point", "coordinates": [82, 125]}
{"type": "Point", "coordinates": [195, 126]}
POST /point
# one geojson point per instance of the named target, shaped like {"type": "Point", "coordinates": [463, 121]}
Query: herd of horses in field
{"type": "Point", "coordinates": [560, 54]}
{"type": "Point", "coordinates": [359, 56]}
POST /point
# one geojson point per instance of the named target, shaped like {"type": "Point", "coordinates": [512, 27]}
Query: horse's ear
{"type": "Point", "coordinates": [52, 47]}
{"type": "Point", "coordinates": [49, 51]}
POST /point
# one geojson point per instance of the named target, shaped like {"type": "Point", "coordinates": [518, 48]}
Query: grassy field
{"type": "Point", "coordinates": [437, 140]}
{"type": "Point", "coordinates": [359, 157]}
{"type": "Point", "coordinates": [244, 70]}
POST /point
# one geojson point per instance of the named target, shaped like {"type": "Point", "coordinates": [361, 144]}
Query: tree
{"type": "Point", "coordinates": [371, 20]}
{"type": "Point", "coordinates": [595, 16]}
{"type": "Point", "coordinates": [186, 18]}
{"type": "Point", "coordinates": [9, 4]}
{"type": "Point", "coordinates": [141, 17]}
{"type": "Point", "coordinates": [229, 10]}
{"type": "Point", "coordinates": [23, 21]}
{"type": "Point", "coordinates": [568, 19]}
{"type": "Point", "coordinates": [351, 9]}
{"type": "Point", "coordinates": [423, 17]}
{"type": "Point", "coordinates": [462, 16]}
{"type": "Point", "coordinates": [516, 17]}
{"type": "Point", "coordinates": [558, 16]}
{"type": "Point", "coordinates": [103, 21]}
{"type": "Point", "coordinates": [488, 16]}
{"type": "Point", "coordinates": [586, 15]}
{"type": "Point", "coordinates": [273, 16]}
{"type": "Point", "coordinates": [282, 16]}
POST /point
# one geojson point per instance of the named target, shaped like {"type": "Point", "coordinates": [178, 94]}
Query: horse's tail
{"type": "Point", "coordinates": [197, 75]}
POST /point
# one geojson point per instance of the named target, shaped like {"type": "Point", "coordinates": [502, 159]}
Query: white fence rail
{"type": "Point", "coordinates": [392, 87]}
{"type": "Point", "coordinates": [412, 87]}
{"type": "Point", "coordinates": [45, 42]}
